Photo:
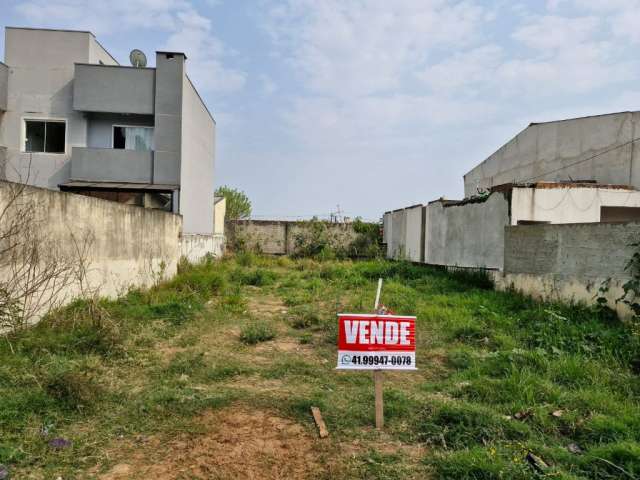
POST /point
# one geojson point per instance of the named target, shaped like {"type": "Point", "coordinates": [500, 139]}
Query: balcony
{"type": "Point", "coordinates": [4, 86]}
{"type": "Point", "coordinates": [111, 165]}
{"type": "Point", "coordinates": [117, 89]}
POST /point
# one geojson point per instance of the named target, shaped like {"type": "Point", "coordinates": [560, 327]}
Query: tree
{"type": "Point", "coordinates": [238, 204]}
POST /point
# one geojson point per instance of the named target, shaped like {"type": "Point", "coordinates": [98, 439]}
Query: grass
{"type": "Point", "coordinates": [500, 376]}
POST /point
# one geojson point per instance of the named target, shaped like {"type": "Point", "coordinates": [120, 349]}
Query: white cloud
{"type": "Point", "coordinates": [205, 52]}
{"type": "Point", "coordinates": [187, 31]}
{"type": "Point", "coordinates": [361, 47]}
{"type": "Point", "coordinates": [465, 69]}
{"type": "Point", "coordinates": [555, 32]}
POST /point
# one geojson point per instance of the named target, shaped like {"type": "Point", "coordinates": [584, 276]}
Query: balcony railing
{"type": "Point", "coordinates": [111, 165]}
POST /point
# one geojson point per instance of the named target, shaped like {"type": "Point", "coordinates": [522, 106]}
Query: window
{"type": "Point", "coordinates": [132, 138]}
{"type": "Point", "coordinates": [45, 136]}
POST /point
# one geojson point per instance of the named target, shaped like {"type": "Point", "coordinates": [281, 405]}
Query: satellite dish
{"type": "Point", "coordinates": [137, 58]}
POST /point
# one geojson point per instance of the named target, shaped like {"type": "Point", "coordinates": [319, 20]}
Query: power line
{"type": "Point", "coordinates": [583, 160]}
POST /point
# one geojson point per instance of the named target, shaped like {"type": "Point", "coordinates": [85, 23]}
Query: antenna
{"type": "Point", "coordinates": [137, 58]}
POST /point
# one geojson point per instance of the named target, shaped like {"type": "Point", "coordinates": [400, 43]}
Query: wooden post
{"type": "Point", "coordinates": [378, 376]}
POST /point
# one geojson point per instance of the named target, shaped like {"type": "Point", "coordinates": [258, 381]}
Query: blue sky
{"type": "Point", "coordinates": [370, 104]}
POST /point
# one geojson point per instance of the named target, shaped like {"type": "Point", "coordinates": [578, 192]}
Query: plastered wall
{"type": "Point", "coordinates": [123, 245]}
{"type": "Point", "coordinates": [569, 262]}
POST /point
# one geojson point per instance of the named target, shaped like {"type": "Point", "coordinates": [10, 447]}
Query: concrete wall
{"type": "Point", "coordinates": [550, 151]}
{"type": "Point", "coordinates": [197, 164]}
{"type": "Point", "coordinates": [4, 85]}
{"type": "Point", "coordinates": [397, 247]}
{"type": "Point", "coordinates": [112, 165]}
{"type": "Point", "coordinates": [467, 235]}
{"type": "Point", "coordinates": [108, 88]}
{"type": "Point", "coordinates": [100, 127]}
{"type": "Point", "coordinates": [386, 230]}
{"type": "Point", "coordinates": [196, 247]}
{"type": "Point", "coordinates": [219, 212]}
{"type": "Point", "coordinates": [403, 233]}
{"type": "Point", "coordinates": [275, 237]}
{"type": "Point", "coordinates": [413, 232]}
{"type": "Point", "coordinates": [568, 262]}
{"type": "Point", "coordinates": [126, 246]}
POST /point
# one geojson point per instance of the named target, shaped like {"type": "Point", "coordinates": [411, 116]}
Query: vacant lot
{"type": "Point", "coordinates": [212, 376]}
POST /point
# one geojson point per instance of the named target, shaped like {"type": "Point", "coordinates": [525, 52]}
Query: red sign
{"type": "Point", "coordinates": [376, 342]}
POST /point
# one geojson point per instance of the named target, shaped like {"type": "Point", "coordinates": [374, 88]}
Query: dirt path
{"type": "Point", "coordinates": [236, 443]}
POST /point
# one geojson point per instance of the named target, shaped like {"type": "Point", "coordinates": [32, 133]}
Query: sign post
{"type": "Point", "coordinates": [378, 375]}
{"type": "Point", "coordinates": [376, 342]}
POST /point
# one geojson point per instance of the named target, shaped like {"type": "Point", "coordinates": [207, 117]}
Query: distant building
{"type": "Point", "coordinates": [601, 148]}
{"type": "Point", "coordinates": [582, 170]}
{"type": "Point", "coordinates": [72, 118]}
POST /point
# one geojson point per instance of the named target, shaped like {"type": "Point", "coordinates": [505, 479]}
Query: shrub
{"type": "Point", "coordinates": [256, 332]}
{"type": "Point", "coordinates": [367, 243]}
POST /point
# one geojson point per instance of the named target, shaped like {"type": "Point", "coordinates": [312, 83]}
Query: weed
{"type": "Point", "coordinates": [73, 389]}
{"type": "Point", "coordinates": [303, 317]}
{"type": "Point", "coordinates": [256, 332]}
{"type": "Point", "coordinates": [258, 277]}
{"type": "Point", "coordinates": [500, 375]}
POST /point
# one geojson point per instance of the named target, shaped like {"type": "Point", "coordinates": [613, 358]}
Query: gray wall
{"type": "Point", "coordinates": [587, 250]}
{"type": "Point", "coordinates": [197, 162]}
{"type": "Point", "coordinates": [100, 127]}
{"type": "Point", "coordinates": [468, 235]}
{"type": "Point", "coordinates": [569, 262]}
{"type": "Point", "coordinates": [465, 235]}
{"type": "Point", "coordinates": [40, 82]}
{"type": "Point", "coordinates": [397, 248]}
{"type": "Point", "coordinates": [111, 165]}
{"type": "Point", "coordinates": [168, 118]}
{"type": "Point", "coordinates": [104, 88]}
{"type": "Point", "coordinates": [542, 148]}
{"type": "Point", "coordinates": [4, 81]}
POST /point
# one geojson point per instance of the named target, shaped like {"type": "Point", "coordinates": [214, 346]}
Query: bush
{"type": "Point", "coordinates": [367, 243]}
{"type": "Point", "coordinates": [256, 332]}
{"type": "Point", "coordinates": [315, 240]}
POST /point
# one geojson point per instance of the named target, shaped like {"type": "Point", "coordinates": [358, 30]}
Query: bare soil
{"type": "Point", "coordinates": [235, 443]}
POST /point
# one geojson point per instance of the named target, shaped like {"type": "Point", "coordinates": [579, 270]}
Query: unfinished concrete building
{"type": "Point", "coordinates": [600, 148]}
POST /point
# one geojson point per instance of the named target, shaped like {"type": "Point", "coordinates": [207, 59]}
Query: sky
{"type": "Point", "coordinates": [371, 105]}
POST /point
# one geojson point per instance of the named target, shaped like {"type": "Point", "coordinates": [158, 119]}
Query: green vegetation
{"type": "Point", "coordinates": [257, 332]}
{"type": "Point", "coordinates": [238, 204]}
{"type": "Point", "coordinates": [318, 241]}
{"type": "Point", "coordinates": [507, 388]}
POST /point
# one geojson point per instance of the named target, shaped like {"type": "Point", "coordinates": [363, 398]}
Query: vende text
{"type": "Point", "coordinates": [366, 332]}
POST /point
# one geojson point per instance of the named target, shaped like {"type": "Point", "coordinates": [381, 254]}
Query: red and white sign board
{"type": "Point", "coordinates": [376, 342]}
